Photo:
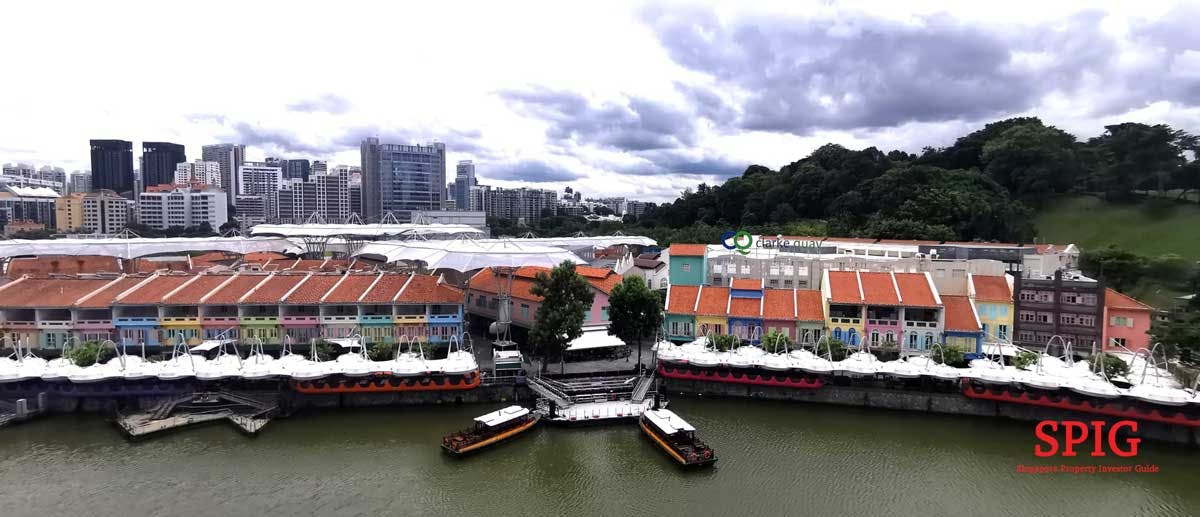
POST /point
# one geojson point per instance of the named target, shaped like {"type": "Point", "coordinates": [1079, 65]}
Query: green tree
{"type": "Point", "coordinates": [1112, 365]}
{"type": "Point", "coordinates": [634, 312]}
{"type": "Point", "coordinates": [1119, 268]}
{"type": "Point", "coordinates": [952, 356]}
{"type": "Point", "coordinates": [1025, 359]}
{"type": "Point", "coordinates": [1032, 160]}
{"type": "Point", "coordinates": [776, 342]}
{"type": "Point", "coordinates": [1140, 156]}
{"type": "Point", "coordinates": [382, 351]}
{"type": "Point", "coordinates": [566, 298]}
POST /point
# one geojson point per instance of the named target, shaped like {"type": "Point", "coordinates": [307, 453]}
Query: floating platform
{"type": "Point", "coordinates": [595, 413]}
{"type": "Point", "coordinates": [246, 411]}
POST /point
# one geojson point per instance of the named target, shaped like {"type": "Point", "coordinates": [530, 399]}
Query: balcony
{"type": "Point", "coordinates": [444, 318]}
{"type": "Point", "coordinates": [180, 321]}
{"type": "Point", "coordinates": [921, 324]}
{"type": "Point", "coordinates": [375, 320]}
{"type": "Point", "coordinates": [846, 321]}
{"type": "Point", "coordinates": [259, 320]}
{"type": "Point", "coordinates": [93, 324]}
{"type": "Point", "coordinates": [299, 320]}
{"type": "Point", "coordinates": [410, 319]}
{"type": "Point", "coordinates": [138, 321]}
{"type": "Point", "coordinates": [54, 324]}
{"type": "Point", "coordinates": [341, 318]}
{"type": "Point", "coordinates": [883, 323]}
{"type": "Point", "coordinates": [219, 321]}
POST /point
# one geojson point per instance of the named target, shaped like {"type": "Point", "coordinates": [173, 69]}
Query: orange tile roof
{"type": "Point", "coordinates": [386, 289]}
{"type": "Point", "coordinates": [235, 289]}
{"type": "Point", "coordinates": [745, 307]}
{"type": "Point", "coordinates": [150, 266]}
{"type": "Point", "coordinates": [489, 281]}
{"type": "Point", "coordinates": [1116, 300]}
{"type": "Point", "coordinates": [687, 250]}
{"type": "Point", "coordinates": [49, 292]}
{"type": "Point", "coordinates": [263, 256]}
{"type": "Point", "coordinates": [272, 291]}
{"type": "Point", "coordinates": [104, 298]}
{"type": "Point", "coordinates": [878, 288]}
{"type": "Point", "coordinates": [991, 288]}
{"type": "Point", "coordinates": [747, 283]}
{"type": "Point", "coordinates": [809, 306]}
{"type": "Point", "coordinates": [313, 289]}
{"type": "Point", "coordinates": [960, 317]}
{"type": "Point", "coordinates": [602, 279]}
{"type": "Point", "coordinates": [350, 289]}
{"type": "Point", "coordinates": [305, 265]}
{"type": "Point", "coordinates": [914, 290]}
{"type": "Point", "coordinates": [593, 272]}
{"type": "Point", "coordinates": [152, 292]}
{"type": "Point", "coordinates": [61, 264]}
{"type": "Point", "coordinates": [426, 289]}
{"type": "Point", "coordinates": [779, 304]}
{"type": "Point", "coordinates": [843, 287]}
{"type": "Point", "coordinates": [714, 301]}
{"type": "Point", "coordinates": [682, 299]}
{"type": "Point", "coordinates": [193, 292]}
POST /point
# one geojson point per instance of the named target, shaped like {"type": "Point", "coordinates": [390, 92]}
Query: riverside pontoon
{"type": "Point", "coordinates": [676, 437]}
{"type": "Point", "coordinates": [490, 429]}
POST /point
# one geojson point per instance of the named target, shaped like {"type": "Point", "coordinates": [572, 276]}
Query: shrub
{"type": "Point", "coordinates": [723, 342]}
{"type": "Point", "coordinates": [382, 352]}
{"type": "Point", "coordinates": [1112, 365]}
{"type": "Point", "coordinates": [835, 347]}
{"type": "Point", "coordinates": [84, 355]}
{"type": "Point", "coordinates": [775, 342]}
{"type": "Point", "coordinates": [1024, 359]}
{"type": "Point", "coordinates": [952, 356]}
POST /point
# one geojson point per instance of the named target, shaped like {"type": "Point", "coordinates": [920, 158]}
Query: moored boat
{"type": "Point", "coordinates": [677, 437]}
{"type": "Point", "coordinates": [490, 429]}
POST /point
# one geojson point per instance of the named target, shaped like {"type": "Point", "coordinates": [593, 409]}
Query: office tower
{"type": "Point", "coordinates": [158, 162]}
{"type": "Point", "coordinates": [180, 206]}
{"type": "Point", "coordinates": [112, 166]}
{"type": "Point", "coordinates": [319, 167]}
{"type": "Point", "coordinates": [22, 170]}
{"type": "Point", "coordinates": [327, 195]}
{"type": "Point", "coordinates": [35, 204]}
{"type": "Point", "coordinates": [296, 169]}
{"type": "Point", "coordinates": [68, 212]}
{"type": "Point", "coordinates": [230, 156]}
{"type": "Point", "coordinates": [401, 178]}
{"type": "Point", "coordinates": [105, 212]}
{"type": "Point", "coordinates": [464, 179]}
{"type": "Point", "coordinates": [55, 175]}
{"type": "Point", "coordinates": [251, 210]}
{"type": "Point", "coordinates": [260, 179]}
{"type": "Point", "coordinates": [199, 171]}
{"type": "Point", "coordinates": [81, 181]}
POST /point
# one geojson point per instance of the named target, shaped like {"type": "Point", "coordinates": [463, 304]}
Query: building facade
{"type": "Point", "coordinates": [487, 286]}
{"type": "Point", "coordinates": [230, 157]}
{"type": "Point", "coordinates": [1126, 323]}
{"type": "Point", "coordinates": [687, 264]}
{"type": "Point", "coordinates": [80, 181]}
{"type": "Point", "coordinates": [327, 195]}
{"type": "Point", "coordinates": [1065, 304]}
{"type": "Point", "coordinates": [159, 160]}
{"type": "Point", "coordinates": [68, 212]}
{"type": "Point", "coordinates": [199, 171]}
{"type": "Point", "coordinates": [993, 297]}
{"type": "Point", "coordinates": [104, 212]}
{"type": "Point", "coordinates": [464, 179]}
{"type": "Point", "coordinates": [402, 178]}
{"type": "Point", "coordinates": [112, 166]}
{"type": "Point", "coordinates": [33, 204]}
{"type": "Point", "coordinates": [263, 180]}
{"type": "Point", "coordinates": [183, 206]}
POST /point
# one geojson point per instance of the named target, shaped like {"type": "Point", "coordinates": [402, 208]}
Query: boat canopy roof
{"type": "Point", "coordinates": [212, 344]}
{"type": "Point", "coordinates": [1001, 349]}
{"type": "Point", "coordinates": [594, 337]}
{"type": "Point", "coordinates": [347, 343]}
{"type": "Point", "coordinates": [668, 421]}
{"type": "Point", "coordinates": [501, 416]}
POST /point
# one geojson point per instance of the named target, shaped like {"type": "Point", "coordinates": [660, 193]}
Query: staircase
{"type": "Point", "coordinates": [545, 390]}
{"type": "Point", "coordinates": [165, 407]}
{"type": "Point", "coordinates": [643, 387]}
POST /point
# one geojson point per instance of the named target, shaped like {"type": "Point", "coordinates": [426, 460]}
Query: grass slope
{"type": "Point", "coordinates": [1090, 223]}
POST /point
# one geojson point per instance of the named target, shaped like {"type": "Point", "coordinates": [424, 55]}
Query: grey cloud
{"type": "Point", "coordinates": [277, 139]}
{"type": "Point", "coordinates": [638, 124]}
{"type": "Point", "coordinates": [457, 140]}
{"type": "Point", "coordinates": [678, 163]}
{"type": "Point", "coordinates": [325, 103]}
{"type": "Point", "coordinates": [530, 171]}
{"type": "Point", "coordinates": [856, 71]}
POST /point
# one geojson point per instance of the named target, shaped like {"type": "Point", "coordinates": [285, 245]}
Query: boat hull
{"type": "Point", "coordinates": [654, 437]}
{"type": "Point", "coordinates": [383, 384]}
{"type": "Point", "coordinates": [501, 437]}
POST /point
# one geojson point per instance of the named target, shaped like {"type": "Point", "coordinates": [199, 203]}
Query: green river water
{"type": "Point", "coordinates": [775, 459]}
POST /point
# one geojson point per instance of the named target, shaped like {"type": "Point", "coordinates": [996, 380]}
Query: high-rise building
{"type": "Point", "coordinates": [199, 171]}
{"type": "Point", "coordinates": [296, 169]}
{"type": "Point", "coordinates": [230, 156]}
{"type": "Point", "coordinates": [158, 162]}
{"type": "Point", "coordinates": [55, 175]}
{"type": "Point", "coordinates": [319, 167]}
{"type": "Point", "coordinates": [24, 175]}
{"type": "Point", "coordinates": [22, 170]}
{"type": "Point", "coordinates": [464, 179]}
{"type": "Point", "coordinates": [251, 210]}
{"type": "Point", "coordinates": [355, 189]}
{"type": "Point", "coordinates": [521, 204]}
{"type": "Point", "coordinates": [68, 212]}
{"type": "Point", "coordinates": [105, 212]}
{"type": "Point", "coordinates": [112, 166]}
{"type": "Point", "coordinates": [81, 181]}
{"type": "Point", "coordinates": [182, 206]}
{"type": "Point", "coordinates": [327, 195]}
{"type": "Point", "coordinates": [402, 178]}
{"type": "Point", "coordinates": [34, 204]}
{"type": "Point", "coordinates": [478, 199]}
{"type": "Point", "coordinates": [260, 179]}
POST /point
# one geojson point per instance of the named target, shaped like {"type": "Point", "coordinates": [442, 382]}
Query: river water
{"type": "Point", "coordinates": [775, 459]}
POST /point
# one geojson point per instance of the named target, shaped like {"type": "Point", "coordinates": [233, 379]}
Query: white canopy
{"type": "Point", "coordinates": [348, 343]}
{"type": "Point", "coordinates": [364, 230]}
{"type": "Point", "coordinates": [594, 337]}
{"type": "Point", "coordinates": [468, 255]}
{"type": "Point", "coordinates": [600, 241]}
{"type": "Point", "coordinates": [140, 246]}
{"type": "Point", "coordinates": [211, 344]}
{"type": "Point", "coordinates": [1004, 349]}
{"type": "Point", "coordinates": [668, 421]}
{"type": "Point", "coordinates": [496, 418]}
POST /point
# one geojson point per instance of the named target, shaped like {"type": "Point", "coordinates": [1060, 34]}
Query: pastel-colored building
{"type": "Point", "coordinates": [680, 317]}
{"type": "Point", "coordinates": [712, 311]}
{"type": "Point", "coordinates": [1126, 322]}
{"type": "Point", "coordinates": [485, 287]}
{"type": "Point", "coordinates": [877, 308]}
{"type": "Point", "coordinates": [993, 297]}
{"type": "Point", "coordinates": [963, 329]}
{"type": "Point", "coordinates": [687, 263]}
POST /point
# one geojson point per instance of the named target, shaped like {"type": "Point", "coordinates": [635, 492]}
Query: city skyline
{"type": "Point", "coordinates": [688, 94]}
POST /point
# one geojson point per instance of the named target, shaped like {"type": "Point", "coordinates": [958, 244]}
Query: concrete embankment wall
{"type": "Point", "coordinates": [927, 402]}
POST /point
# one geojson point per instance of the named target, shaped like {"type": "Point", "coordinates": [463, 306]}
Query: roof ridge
{"type": "Point", "coordinates": [218, 288]}
{"type": "Point", "coordinates": [369, 287]}
{"type": "Point", "coordinates": [334, 288]}
{"type": "Point", "coordinates": [85, 297]}
{"type": "Point", "coordinates": [294, 287]}
{"type": "Point", "coordinates": [139, 285]}
{"type": "Point", "coordinates": [177, 289]}
{"type": "Point", "coordinates": [256, 287]}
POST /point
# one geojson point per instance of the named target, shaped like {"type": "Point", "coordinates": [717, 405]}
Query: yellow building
{"type": "Point", "coordinates": [994, 301]}
{"type": "Point", "coordinates": [68, 212]}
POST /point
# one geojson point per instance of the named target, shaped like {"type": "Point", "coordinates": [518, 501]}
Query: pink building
{"type": "Point", "coordinates": [1126, 322]}
{"type": "Point", "coordinates": [482, 298]}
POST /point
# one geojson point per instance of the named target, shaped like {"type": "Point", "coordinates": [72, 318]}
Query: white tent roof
{"type": "Point", "coordinates": [33, 191]}
{"type": "Point", "coordinates": [594, 338]}
{"type": "Point", "coordinates": [601, 241]}
{"type": "Point", "coordinates": [468, 255]}
{"type": "Point", "coordinates": [363, 230]}
{"type": "Point", "coordinates": [137, 247]}
{"type": "Point", "coordinates": [668, 421]}
{"type": "Point", "coordinates": [498, 417]}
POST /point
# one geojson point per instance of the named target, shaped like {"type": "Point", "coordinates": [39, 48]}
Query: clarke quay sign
{"type": "Point", "coordinates": [743, 241]}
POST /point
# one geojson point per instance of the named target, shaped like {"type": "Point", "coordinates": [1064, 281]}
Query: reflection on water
{"type": "Point", "coordinates": [775, 459]}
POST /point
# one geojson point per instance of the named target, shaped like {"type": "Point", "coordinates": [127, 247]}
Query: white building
{"type": "Point", "coordinates": [230, 156]}
{"type": "Point", "coordinates": [81, 181]}
{"type": "Point", "coordinates": [475, 219]}
{"type": "Point", "coordinates": [199, 171]}
{"type": "Point", "coordinates": [261, 179]}
{"type": "Point", "coordinates": [105, 212]}
{"type": "Point", "coordinates": [182, 206]}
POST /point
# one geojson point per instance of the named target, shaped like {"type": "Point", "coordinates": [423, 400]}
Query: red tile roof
{"type": "Point", "coordinates": [61, 264]}
{"type": "Point", "coordinates": [271, 292]}
{"type": "Point", "coordinates": [103, 298]}
{"type": "Point", "coordinates": [235, 289]}
{"type": "Point", "coordinates": [426, 289]}
{"type": "Point", "coordinates": [487, 280]}
{"type": "Point", "coordinates": [960, 317]}
{"type": "Point", "coordinates": [745, 307]}
{"type": "Point", "coordinates": [714, 301]}
{"type": "Point", "coordinates": [49, 292]}
{"type": "Point", "coordinates": [779, 304]}
{"type": "Point", "coordinates": [914, 290]}
{"type": "Point", "coordinates": [313, 289]}
{"type": "Point", "coordinates": [199, 288]}
{"type": "Point", "coordinates": [152, 292]}
{"type": "Point", "coordinates": [878, 288]}
{"type": "Point", "coordinates": [150, 266]}
{"type": "Point", "coordinates": [386, 289]}
{"type": "Point", "coordinates": [747, 283]}
{"type": "Point", "coordinates": [1116, 300]}
{"type": "Point", "coordinates": [843, 287]}
{"type": "Point", "coordinates": [263, 256]}
{"type": "Point", "coordinates": [305, 265]}
{"type": "Point", "coordinates": [809, 306]}
{"type": "Point", "coordinates": [687, 250]}
{"type": "Point", "coordinates": [350, 289]}
{"type": "Point", "coordinates": [682, 299]}
{"type": "Point", "coordinates": [990, 288]}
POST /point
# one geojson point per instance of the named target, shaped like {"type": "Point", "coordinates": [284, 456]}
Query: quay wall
{"type": "Point", "coordinates": [948, 403]}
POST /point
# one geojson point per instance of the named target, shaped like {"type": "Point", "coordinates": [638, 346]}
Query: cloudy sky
{"type": "Point", "coordinates": [614, 98]}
